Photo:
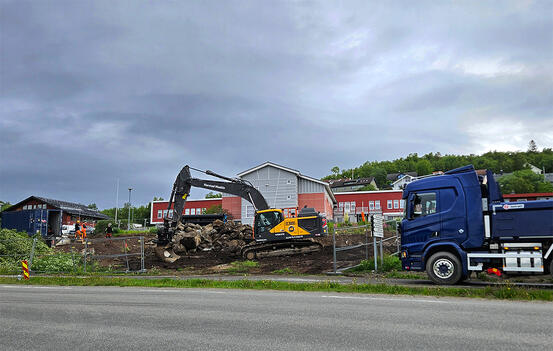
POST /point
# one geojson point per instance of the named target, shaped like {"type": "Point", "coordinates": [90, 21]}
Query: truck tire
{"type": "Point", "coordinates": [551, 267]}
{"type": "Point", "coordinates": [444, 268]}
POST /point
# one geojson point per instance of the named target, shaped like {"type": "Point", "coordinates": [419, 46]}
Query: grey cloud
{"type": "Point", "coordinates": [99, 90]}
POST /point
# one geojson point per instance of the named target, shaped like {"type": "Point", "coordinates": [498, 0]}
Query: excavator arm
{"type": "Point", "coordinates": [181, 190]}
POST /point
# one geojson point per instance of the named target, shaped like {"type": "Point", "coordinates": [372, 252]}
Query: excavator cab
{"type": "Point", "coordinates": [266, 220]}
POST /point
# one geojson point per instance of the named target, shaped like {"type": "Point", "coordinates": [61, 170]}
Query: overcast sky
{"type": "Point", "coordinates": [100, 90]}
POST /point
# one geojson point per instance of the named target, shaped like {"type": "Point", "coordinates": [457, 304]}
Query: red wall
{"type": "Point", "coordinates": [527, 197]}
{"type": "Point", "coordinates": [190, 204]}
{"type": "Point", "coordinates": [362, 198]}
{"type": "Point", "coordinates": [233, 204]}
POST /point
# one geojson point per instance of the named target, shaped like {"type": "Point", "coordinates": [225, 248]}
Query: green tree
{"type": "Point", "coordinates": [532, 147]}
{"type": "Point", "coordinates": [368, 187]}
{"type": "Point", "coordinates": [524, 181]}
{"type": "Point", "coordinates": [218, 209]}
{"type": "Point", "coordinates": [423, 167]}
{"type": "Point", "coordinates": [335, 170]}
{"type": "Point", "coordinates": [379, 175]}
{"type": "Point", "coordinates": [211, 195]}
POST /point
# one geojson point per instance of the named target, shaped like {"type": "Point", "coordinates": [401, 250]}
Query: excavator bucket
{"type": "Point", "coordinates": [166, 254]}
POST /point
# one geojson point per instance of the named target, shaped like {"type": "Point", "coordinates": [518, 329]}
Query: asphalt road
{"type": "Point", "coordinates": [109, 318]}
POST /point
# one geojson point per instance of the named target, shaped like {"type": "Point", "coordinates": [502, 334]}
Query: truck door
{"type": "Point", "coordinates": [453, 216]}
{"type": "Point", "coordinates": [423, 220]}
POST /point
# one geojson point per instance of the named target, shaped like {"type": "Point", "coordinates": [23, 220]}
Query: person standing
{"type": "Point", "coordinates": [77, 229]}
{"type": "Point", "coordinates": [109, 232]}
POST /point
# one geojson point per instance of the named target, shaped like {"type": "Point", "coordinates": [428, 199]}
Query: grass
{"type": "Point", "coordinates": [286, 270]}
{"type": "Point", "coordinates": [391, 263]}
{"type": "Point", "coordinates": [505, 292]}
{"type": "Point", "coordinates": [242, 266]}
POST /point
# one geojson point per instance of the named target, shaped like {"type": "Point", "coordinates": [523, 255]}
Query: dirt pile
{"type": "Point", "coordinates": [225, 238]}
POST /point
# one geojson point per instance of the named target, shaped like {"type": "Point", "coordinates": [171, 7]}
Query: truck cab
{"type": "Point", "coordinates": [457, 223]}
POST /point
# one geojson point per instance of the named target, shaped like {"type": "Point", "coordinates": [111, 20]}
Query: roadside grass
{"type": "Point", "coordinates": [285, 270]}
{"type": "Point", "coordinates": [242, 266]}
{"type": "Point", "coordinates": [504, 292]}
{"type": "Point", "coordinates": [391, 263]}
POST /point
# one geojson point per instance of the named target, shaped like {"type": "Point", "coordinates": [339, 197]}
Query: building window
{"type": "Point", "coordinates": [193, 211]}
{"type": "Point", "coordinates": [187, 211]}
{"type": "Point", "coordinates": [170, 213]}
{"type": "Point", "coordinates": [377, 204]}
{"type": "Point", "coordinates": [159, 213]}
{"type": "Point", "coordinates": [198, 211]}
{"type": "Point", "coordinates": [204, 210]}
{"type": "Point", "coordinates": [401, 203]}
{"type": "Point", "coordinates": [164, 213]}
{"type": "Point", "coordinates": [249, 211]}
{"type": "Point", "coordinates": [346, 207]}
{"type": "Point", "coordinates": [371, 205]}
{"type": "Point", "coordinates": [396, 204]}
{"type": "Point", "coordinates": [389, 204]}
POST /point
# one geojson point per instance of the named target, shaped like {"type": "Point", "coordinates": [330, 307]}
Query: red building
{"type": "Point", "coordinates": [527, 197]}
{"type": "Point", "coordinates": [388, 202]}
{"type": "Point", "coordinates": [191, 207]}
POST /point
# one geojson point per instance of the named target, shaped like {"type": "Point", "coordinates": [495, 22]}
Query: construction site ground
{"type": "Point", "coordinates": [301, 268]}
{"type": "Point", "coordinates": [210, 262]}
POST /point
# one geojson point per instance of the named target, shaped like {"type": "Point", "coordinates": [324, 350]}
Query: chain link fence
{"type": "Point", "coordinates": [98, 256]}
{"type": "Point", "coordinates": [351, 245]}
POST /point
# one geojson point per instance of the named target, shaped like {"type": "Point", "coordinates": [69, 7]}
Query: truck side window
{"type": "Point", "coordinates": [424, 204]}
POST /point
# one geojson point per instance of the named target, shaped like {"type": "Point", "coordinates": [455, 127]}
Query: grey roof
{"type": "Point", "coordinates": [68, 207]}
{"type": "Point", "coordinates": [351, 182]}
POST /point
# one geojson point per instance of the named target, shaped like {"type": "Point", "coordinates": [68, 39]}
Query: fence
{"type": "Point", "coordinates": [107, 256]}
{"type": "Point", "coordinates": [356, 247]}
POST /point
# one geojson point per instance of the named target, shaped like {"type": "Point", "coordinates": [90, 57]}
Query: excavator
{"type": "Point", "coordinates": [273, 234]}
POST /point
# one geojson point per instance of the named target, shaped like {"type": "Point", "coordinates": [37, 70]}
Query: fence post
{"type": "Point", "coordinates": [126, 254]}
{"type": "Point", "coordinates": [142, 254]}
{"type": "Point", "coordinates": [367, 243]}
{"type": "Point", "coordinates": [398, 242]}
{"type": "Point", "coordinates": [32, 255]}
{"type": "Point", "coordinates": [334, 247]}
{"type": "Point", "coordinates": [374, 245]}
{"type": "Point", "coordinates": [85, 253]}
{"type": "Point", "coordinates": [381, 252]}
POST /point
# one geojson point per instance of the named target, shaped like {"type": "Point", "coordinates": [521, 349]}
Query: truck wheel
{"type": "Point", "coordinates": [444, 268]}
{"type": "Point", "coordinates": [551, 267]}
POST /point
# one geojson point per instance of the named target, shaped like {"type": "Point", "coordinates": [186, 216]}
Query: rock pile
{"type": "Point", "coordinates": [225, 238]}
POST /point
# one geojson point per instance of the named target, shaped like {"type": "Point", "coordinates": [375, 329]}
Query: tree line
{"type": "Point", "coordinates": [497, 161]}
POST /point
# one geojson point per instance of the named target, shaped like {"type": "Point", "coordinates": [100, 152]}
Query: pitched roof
{"type": "Point", "coordinates": [351, 182]}
{"type": "Point", "coordinates": [294, 171]}
{"type": "Point", "coordinates": [68, 207]}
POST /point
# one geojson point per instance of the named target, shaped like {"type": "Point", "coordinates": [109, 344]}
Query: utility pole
{"type": "Point", "coordinates": [129, 220]}
{"type": "Point", "coordinates": [116, 200]}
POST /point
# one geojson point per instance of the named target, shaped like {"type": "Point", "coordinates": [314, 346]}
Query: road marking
{"type": "Point", "coordinates": [381, 299]}
{"type": "Point", "coordinates": [36, 287]}
{"type": "Point", "coordinates": [154, 290]}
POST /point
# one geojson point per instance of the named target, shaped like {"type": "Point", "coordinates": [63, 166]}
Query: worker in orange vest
{"type": "Point", "coordinates": [83, 232]}
{"type": "Point", "coordinates": [77, 229]}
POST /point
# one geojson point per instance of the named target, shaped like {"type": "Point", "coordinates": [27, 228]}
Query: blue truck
{"type": "Point", "coordinates": [458, 223]}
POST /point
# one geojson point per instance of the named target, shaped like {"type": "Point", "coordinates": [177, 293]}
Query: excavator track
{"type": "Point", "coordinates": [279, 248]}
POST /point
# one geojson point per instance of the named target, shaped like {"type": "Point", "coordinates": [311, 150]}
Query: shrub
{"type": "Point", "coordinates": [61, 262]}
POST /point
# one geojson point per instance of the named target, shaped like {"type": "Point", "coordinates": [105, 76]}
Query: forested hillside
{"type": "Point", "coordinates": [498, 162]}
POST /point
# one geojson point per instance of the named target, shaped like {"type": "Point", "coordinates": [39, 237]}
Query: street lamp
{"type": "Point", "coordinates": [129, 220]}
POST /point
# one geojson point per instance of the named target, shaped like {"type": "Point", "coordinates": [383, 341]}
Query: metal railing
{"type": "Point", "coordinates": [124, 255]}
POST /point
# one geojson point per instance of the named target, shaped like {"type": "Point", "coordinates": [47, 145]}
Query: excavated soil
{"type": "Point", "coordinates": [211, 262]}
